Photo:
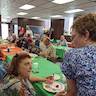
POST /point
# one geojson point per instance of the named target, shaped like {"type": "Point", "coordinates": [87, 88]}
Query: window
{"type": "Point", "coordinates": [4, 30]}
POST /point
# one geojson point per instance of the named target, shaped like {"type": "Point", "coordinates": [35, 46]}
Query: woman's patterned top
{"type": "Point", "coordinates": [80, 65]}
{"type": "Point", "coordinates": [15, 87]}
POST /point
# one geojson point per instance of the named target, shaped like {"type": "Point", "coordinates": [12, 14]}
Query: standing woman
{"type": "Point", "coordinates": [79, 64]}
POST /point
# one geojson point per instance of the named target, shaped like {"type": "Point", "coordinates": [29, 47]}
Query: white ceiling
{"type": "Point", "coordinates": [44, 8]}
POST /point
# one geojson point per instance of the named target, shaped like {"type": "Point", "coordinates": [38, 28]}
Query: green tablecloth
{"type": "Point", "coordinates": [54, 40]}
{"type": "Point", "coordinates": [60, 51]}
{"type": "Point", "coordinates": [9, 58]}
{"type": "Point", "coordinates": [46, 68]}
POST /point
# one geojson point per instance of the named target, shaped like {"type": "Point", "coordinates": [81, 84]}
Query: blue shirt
{"type": "Point", "coordinates": [80, 65]}
{"type": "Point", "coordinates": [2, 70]}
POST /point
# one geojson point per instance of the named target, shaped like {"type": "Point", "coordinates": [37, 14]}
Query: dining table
{"type": "Point", "coordinates": [46, 68]}
{"type": "Point", "coordinates": [60, 50]}
{"type": "Point", "coordinates": [54, 41]}
{"type": "Point", "coordinates": [10, 50]}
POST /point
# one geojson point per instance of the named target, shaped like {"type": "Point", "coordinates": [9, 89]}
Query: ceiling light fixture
{"type": "Point", "coordinates": [35, 17]}
{"type": "Point", "coordinates": [22, 13]}
{"type": "Point", "coordinates": [27, 7]}
{"type": "Point", "coordinates": [8, 17]}
{"type": "Point", "coordinates": [62, 1]}
{"type": "Point", "coordinates": [73, 11]}
{"type": "Point", "coordinates": [56, 16]}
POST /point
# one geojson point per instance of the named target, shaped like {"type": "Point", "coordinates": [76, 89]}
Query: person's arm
{"type": "Point", "coordinates": [36, 79]}
{"type": "Point", "coordinates": [51, 54]}
{"type": "Point", "coordinates": [43, 54]}
{"type": "Point", "coordinates": [71, 90]}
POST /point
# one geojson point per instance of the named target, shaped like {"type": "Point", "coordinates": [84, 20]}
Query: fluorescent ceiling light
{"type": "Point", "coordinates": [62, 1]}
{"type": "Point", "coordinates": [56, 16]}
{"type": "Point", "coordinates": [22, 13]}
{"type": "Point", "coordinates": [73, 11]}
{"type": "Point", "coordinates": [8, 17]}
{"type": "Point", "coordinates": [26, 7]}
{"type": "Point", "coordinates": [35, 17]}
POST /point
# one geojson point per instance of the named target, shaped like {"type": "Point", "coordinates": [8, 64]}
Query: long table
{"type": "Point", "coordinates": [54, 40]}
{"type": "Point", "coordinates": [46, 68]}
{"type": "Point", "coordinates": [60, 50]}
{"type": "Point", "coordinates": [12, 51]}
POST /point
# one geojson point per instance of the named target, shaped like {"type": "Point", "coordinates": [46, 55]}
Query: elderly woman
{"type": "Point", "coordinates": [47, 49]}
{"type": "Point", "coordinates": [79, 64]}
{"type": "Point", "coordinates": [62, 41]}
{"type": "Point", "coordinates": [18, 79]}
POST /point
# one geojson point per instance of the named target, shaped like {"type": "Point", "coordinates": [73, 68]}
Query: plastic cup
{"type": "Point", "coordinates": [35, 68]}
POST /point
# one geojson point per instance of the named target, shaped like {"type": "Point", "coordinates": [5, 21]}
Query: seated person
{"type": "Point", "coordinates": [17, 80]}
{"type": "Point", "coordinates": [2, 71]}
{"type": "Point", "coordinates": [47, 49]}
{"type": "Point", "coordinates": [29, 39]}
{"type": "Point", "coordinates": [37, 41]}
{"type": "Point", "coordinates": [42, 45]}
{"type": "Point", "coordinates": [12, 38]}
{"type": "Point", "coordinates": [2, 57]}
{"type": "Point", "coordinates": [62, 41]}
{"type": "Point", "coordinates": [22, 43]}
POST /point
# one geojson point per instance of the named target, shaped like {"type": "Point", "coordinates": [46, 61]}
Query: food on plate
{"type": "Point", "coordinates": [56, 76]}
{"type": "Point", "coordinates": [57, 86]}
{"type": "Point", "coordinates": [47, 86]}
{"type": "Point", "coordinates": [50, 79]}
{"type": "Point", "coordinates": [54, 87]}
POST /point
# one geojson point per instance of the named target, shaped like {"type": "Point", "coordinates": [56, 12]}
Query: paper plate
{"type": "Point", "coordinates": [56, 76]}
{"type": "Point", "coordinates": [33, 55]}
{"type": "Point", "coordinates": [54, 87]}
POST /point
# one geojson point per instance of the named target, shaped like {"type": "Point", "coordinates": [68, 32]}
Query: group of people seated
{"type": "Point", "coordinates": [16, 79]}
{"type": "Point", "coordinates": [79, 65]}
{"type": "Point", "coordinates": [39, 45]}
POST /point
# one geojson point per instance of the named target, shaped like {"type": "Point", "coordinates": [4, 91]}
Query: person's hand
{"type": "Point", "coordinates": [62, 93]}
{"type": "Point", "coordinates": [40, 54]}
{"type": "Point", "coordinates": [49, 79]}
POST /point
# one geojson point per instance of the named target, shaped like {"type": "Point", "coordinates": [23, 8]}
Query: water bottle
{"type": "Point", "coordinates": [8, 49]}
